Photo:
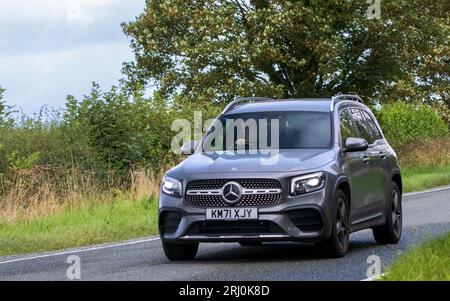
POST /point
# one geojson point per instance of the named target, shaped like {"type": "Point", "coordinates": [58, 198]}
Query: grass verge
{"type": "Point", "coordinates": [427, 262]}
{"type": "Point", "coordinates": [92, 224]}
{"type": "Point", "coordinates": [420, 178]}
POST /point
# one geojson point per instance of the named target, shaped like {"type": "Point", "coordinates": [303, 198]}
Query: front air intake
{"type": "Point", "coordinates": [169, 221]}
{"type": "Point", "coordinates": [307, 220]}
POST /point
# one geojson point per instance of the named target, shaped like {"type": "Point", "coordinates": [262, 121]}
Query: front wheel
{"type": "Point", "coordinates": [337, 244]}
{"type": "Point", "coordinates": [175, 251]}
{"type": "Point", "coordinates": [391, 231]}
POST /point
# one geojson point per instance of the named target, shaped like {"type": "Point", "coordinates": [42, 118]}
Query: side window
{"type": "Point", "coordinates": [362, 126]}
{"type": "Point", "coordinates": [347, 127]}
{"type": "Point", "coordinates": [373, 127]}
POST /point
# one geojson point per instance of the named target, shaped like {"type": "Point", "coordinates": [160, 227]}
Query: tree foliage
{"type": "Point", "coordinates": [3, 106]}
{"type": "Point", "coordinates": [208, 49]}
{"type": "Point", "coordinates": [5, 110]}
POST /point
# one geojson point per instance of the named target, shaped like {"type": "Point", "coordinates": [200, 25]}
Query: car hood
{"type": "Point", "coordinates": [287, 160]}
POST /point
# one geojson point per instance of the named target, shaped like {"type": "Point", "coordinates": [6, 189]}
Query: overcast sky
{"type": "Point", "coordinates": [52, 48]}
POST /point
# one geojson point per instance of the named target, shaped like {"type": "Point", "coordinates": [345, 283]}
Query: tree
{"type": "Point", "coordinates": [5, 110]}
{"type": "Point", "coordinates": [2, 104]}
{"type": "Point", "coordinates": [208, 49]}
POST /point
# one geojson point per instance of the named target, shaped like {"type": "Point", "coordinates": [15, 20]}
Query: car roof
{"type": "Point", "coordinates": [297, 104]}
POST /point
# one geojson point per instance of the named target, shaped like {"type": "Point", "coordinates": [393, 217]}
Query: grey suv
{"type": "Point", "coordinates": [334, 174]}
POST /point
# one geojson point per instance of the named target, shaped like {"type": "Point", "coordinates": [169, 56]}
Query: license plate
{"type": "Point", "coordinates": [231, 213]}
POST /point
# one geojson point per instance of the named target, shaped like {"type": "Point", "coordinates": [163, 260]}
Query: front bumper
{"type": "Point", "coordinates": [303, 218]}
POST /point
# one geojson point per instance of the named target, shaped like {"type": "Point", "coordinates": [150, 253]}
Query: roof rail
{"type": "Point", "coordinates": [243, 100]}
{"type": "Point", "coordinates": [342, 97]}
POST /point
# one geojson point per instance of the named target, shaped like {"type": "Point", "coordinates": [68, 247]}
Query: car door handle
{"type": "Point", "coordinates": [365, 158]}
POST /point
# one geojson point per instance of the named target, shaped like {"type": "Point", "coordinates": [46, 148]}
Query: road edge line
{"type": "Point", "coordinates": [437, 189]}
{"type": "Point", "coordinates": [114, 245]}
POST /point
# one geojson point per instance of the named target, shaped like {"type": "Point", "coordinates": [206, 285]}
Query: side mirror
{"type": "Point", "coordinates": [355, 145]}
{"type": "Point", "coordinates": [188, 148]}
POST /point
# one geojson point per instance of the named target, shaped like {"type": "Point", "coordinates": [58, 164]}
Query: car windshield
{"type": "Point", "coordinates": [276, 130]}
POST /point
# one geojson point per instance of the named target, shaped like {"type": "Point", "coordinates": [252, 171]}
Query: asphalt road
{"type": "Point", "coordinates": [425, 215]}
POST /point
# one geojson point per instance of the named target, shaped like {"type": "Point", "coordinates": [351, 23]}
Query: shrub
{"type": "Point", "coordinates": [444, 111]}
{"type": "Point", "coordinates": [125, 130]}
{"type": "Point", "coordinates": [402, 122]}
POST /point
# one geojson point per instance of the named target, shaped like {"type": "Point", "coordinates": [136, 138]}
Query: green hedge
{"type": "Point", "coordinates": [105, 131]}
{"type": "Point", "coordinates": [402, 122]}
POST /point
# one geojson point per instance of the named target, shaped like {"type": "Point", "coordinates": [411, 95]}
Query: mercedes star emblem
{"type": "Point", "coordinates": [232, 192]}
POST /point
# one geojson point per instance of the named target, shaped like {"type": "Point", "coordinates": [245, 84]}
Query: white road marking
{"type": "Point", "coordinates": [427, 191]}
{"type": "Point", "coordinates": [81, 250]}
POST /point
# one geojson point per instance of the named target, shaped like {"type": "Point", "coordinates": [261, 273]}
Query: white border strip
{"type": "Point", "coordinates": [81, 250]}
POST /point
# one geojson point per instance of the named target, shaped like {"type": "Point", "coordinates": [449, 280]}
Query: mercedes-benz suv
{"type": "Point", "coordinates": [316, 171]}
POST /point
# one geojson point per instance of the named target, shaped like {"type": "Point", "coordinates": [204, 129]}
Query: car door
{"type": "Point", "coordinates": [372, 183]}
{"type": "Point", "coordinates": [356, 167]}
{"type": "Point", "coordinates": [379, 153]}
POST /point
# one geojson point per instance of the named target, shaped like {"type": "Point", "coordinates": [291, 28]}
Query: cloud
{"type": "Point", "coordinates": [52, 48]}
{"type": "Point", "coordinates": [51, 10]}
{"type": "Point", "coordinates": [46, 25]}
{"type": "Point", "coordinates": [47, 78]}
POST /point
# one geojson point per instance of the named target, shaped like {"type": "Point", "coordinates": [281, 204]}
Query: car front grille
{"type": "Point", "coordinates": [246, 183]}
{"type": "Point", "coordinates": [260, 192]}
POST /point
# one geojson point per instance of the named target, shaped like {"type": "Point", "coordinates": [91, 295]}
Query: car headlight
{"type": "Point", "coordinates": [172, 186]}
{"type": "Point", "coordinates": [307, 183]}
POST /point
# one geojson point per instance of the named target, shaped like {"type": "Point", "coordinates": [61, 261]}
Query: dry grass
{"type": "Point", "coordinates": [426, 153]}
{"type": "Point", "coordinates": [43, 191]}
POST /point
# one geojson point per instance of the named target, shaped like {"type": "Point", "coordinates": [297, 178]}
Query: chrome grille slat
{"type": "Point", "coordinates": [244, 192]}
{"type": "Point", "coordinates": [255, 192]}
{"type": "Point", "coordinates": [260, 191]}
{"type": "Point", "coordinates": [204, 192]}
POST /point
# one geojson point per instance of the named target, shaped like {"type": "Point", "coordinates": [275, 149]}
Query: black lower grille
{"type": "Point", "coordinates": [307, 220]}
{"type": "Point", "coordinates": [169, 221]}
{"type": "Point", "coordinates": [235, 227]}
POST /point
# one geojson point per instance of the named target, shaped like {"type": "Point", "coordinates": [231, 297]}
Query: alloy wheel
{"type": "Point", "coordinates": [396, 212]}
{"type": "Point", "coordinates": [342, 224]}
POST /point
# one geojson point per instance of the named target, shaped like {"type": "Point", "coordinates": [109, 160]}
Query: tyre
{"type": "Point", "coordinates": [250, 243]}
{"type": "Point", "coordinates": [391, 231]}
{"type": "Point", "coordinates": [185, 251]}
{"type": "Point", "coordinates": [337, 244]}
